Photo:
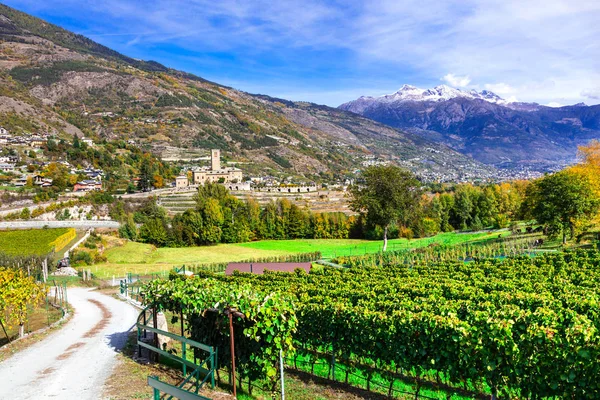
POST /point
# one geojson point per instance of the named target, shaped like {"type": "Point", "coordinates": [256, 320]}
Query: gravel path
{"type": "Point", "coordinates": [74, 362]}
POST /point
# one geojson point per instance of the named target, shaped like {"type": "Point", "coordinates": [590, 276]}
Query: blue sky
{"type": "Point", "coordinates": [330, 52]}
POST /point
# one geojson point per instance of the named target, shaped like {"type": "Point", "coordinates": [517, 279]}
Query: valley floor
{"type": "Point", "coordinates": [140, 258]}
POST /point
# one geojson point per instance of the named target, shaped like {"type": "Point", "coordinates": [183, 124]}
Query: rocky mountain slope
{"type": "Point", "coordinates": [61, 82]}
{"type": "Point", "coordinates": [485, 126]}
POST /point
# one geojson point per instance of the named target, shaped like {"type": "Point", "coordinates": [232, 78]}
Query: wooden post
{"type": "Point", "coordinates": [232, 355]}
{"type": "Point", "coordinates": [4, 329]}
{"type": "Point", "coordinates": [183, 350]}
{"type": "Point", "coordinates": [45, 270]}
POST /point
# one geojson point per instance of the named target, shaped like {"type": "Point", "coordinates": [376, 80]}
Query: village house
{"type": "Point", "coordinates": [87, 185]}
{"type": "Point", "coordinates": [36, 141]}
{"type": "Point", "coordinates": [181, 182]}
{"type": "Point", "coordinates": [37, 180]}
{"type": "Point", "coordinates": [7, 167]}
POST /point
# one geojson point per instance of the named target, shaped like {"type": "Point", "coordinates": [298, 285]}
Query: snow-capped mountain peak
{"type": "Point", "coordinates": [410, 93]}
{"type": "Point", "coordinates": [438, 93]}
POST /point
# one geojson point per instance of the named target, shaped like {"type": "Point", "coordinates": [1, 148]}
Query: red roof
{"type": "Point", "coordinates": [259, 268]}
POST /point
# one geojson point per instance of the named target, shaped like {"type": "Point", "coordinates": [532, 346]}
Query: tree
{"type": "Point", "coordinates": [76, 143]}
{"type": "Point", "coordinates": [154, 232]}
{"type": "Point", "coordinates": [17, 292]}
{"type": "Point", "coordinates": [562, 201]}
{"type": "Point", "coordinates": [212, 217]}
{"type": "Point", "coordinates": [158, 181]}
{"type": "Point", "coordinates": [463, 206]}
{"type": "Point", "coordinates": [387, 194]}
{"type": "Point", "coordinates": [211, 191]}
{"type": "Point", "coordinates": [128, 229]}
{"type": "Point", "coordinates": [25, 213]}
{"type": "Point", "coordinates": [147, 169]}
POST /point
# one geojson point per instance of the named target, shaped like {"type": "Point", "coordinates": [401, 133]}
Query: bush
{"type": "Point", "coordinates": [81, 257]}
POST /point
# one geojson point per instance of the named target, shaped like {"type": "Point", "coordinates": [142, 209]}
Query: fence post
{"type": "Point", "coordinates": [213, 367]}
{"type": "Point", "coordinates": [333, 366]}
{"type": "Point", "coordinates": [47, 313]}
{"type": "Point", "coordinates": [66, 297]}
{"type": "Point", "coordinates": [281, 372]}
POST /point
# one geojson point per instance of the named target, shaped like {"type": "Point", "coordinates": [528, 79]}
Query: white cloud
{"type": "Point", "coordinates": [593, 94]}
{"type": "Point", "coordinates": [457, 81]}
{"type": "Point", "coordinates": [554, 104]}
{"type": "Point", "coordinates": [536, 50]}
{"type": "Point", "coordinates": [500, 88]}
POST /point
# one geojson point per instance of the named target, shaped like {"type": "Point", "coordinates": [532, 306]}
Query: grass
{"type": "Point", "coordinates": [141, 258]}
{"type": "Point", "coordinates": [29, 241]}
{"type": "Point", "coordinates": [330, 248]}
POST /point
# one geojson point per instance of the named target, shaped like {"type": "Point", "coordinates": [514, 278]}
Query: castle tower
{"type": "Point", "coordinates": [215, 159]}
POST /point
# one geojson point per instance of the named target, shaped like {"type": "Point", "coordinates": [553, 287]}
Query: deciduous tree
{"type": "Point", "coordinates": [387, 194]}
{"type": "Point", "coordinates": [563, 201]}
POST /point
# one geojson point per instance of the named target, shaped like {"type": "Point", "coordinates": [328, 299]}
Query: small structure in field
{"type": "Point", "coordinates": [260, 268]}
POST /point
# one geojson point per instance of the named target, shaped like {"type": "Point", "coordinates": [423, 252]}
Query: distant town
{"type": "Point", "coordinates": [22, 158]}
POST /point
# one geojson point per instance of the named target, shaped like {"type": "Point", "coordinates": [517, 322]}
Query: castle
{"type": "Point", "coordinates": [215, 173]}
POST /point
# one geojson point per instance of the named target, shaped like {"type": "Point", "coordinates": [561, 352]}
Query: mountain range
{"type": "Point", "coordinates": [485, 126]}
{"type": "Point", "coordinates": [63, 83]}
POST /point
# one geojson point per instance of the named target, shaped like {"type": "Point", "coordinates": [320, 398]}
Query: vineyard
{"type": "Point", "coordinates": [29, 242]}
{"type": "Point", "coordinates": [516, 327]}
{"type": "Point", "coordinates": [494, 248]}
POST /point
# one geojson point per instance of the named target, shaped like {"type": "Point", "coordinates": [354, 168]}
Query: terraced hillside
{"type": "Point", "coordinates": [321, 201]}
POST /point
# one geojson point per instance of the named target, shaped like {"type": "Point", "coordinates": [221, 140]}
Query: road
{"type": "Point", "coordinates": [58, 224]}
{"type": "Point", "coordinates": [74, 362]}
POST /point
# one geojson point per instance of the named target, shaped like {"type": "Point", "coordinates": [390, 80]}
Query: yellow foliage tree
{"type": "Point", "coordinates": [589, 165]}
{"type": "Point", "coordinates": [17, 292]}
{"type": "Point", "coordinates": [158, 181]}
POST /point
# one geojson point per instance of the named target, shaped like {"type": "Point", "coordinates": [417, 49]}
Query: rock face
{"type": "Point", "coordinates": [65, 271]}
{"type": "Point", "coordinates": [485, 126]}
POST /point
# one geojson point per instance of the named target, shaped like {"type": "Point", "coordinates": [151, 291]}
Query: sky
{"type": "Point", "coordinates": [331, 52]}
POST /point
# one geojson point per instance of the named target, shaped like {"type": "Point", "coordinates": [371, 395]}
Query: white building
{"type": "Point", "coordinates": [181, 182]}
{"type": "Point", "coordinates": [7, 167]}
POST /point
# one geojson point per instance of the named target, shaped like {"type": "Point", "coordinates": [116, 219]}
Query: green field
{"type": "Point", "coordinates": [143, 258]}
{"type": "Point", "coordinates": [331, 248]}
{"type": "Point", "coordinates": [29, 241]}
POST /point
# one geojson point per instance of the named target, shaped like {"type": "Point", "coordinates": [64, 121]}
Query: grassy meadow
{"type": "Point", "coordinates": [141, 258]}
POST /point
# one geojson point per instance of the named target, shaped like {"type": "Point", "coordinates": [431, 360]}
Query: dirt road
{"type": "Point", "coordinates": [74, 362]}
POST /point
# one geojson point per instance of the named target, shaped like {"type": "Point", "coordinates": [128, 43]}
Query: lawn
{"type": "Point", "coordinates": [143, 258]}
{"type": "Point", "coordinates": [330, 248]}
{"type": "Point", "coordinates": [29, 241]}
